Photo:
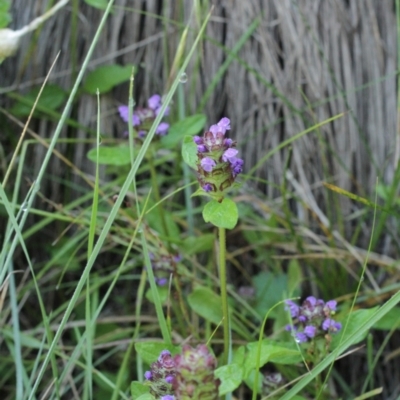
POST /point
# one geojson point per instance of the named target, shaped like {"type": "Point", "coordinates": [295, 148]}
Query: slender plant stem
{"type": "Point", "coordinates": [224, 294]}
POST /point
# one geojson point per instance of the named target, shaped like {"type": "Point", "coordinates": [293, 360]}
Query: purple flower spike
{"type": "Point", "coordinates": [207, 164]}
{"type": "Point", "coordinates": [143, 117]}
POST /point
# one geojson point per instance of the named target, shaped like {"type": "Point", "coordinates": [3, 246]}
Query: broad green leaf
{"type": "Point", "coordinates": [239, 355]}
{"type": "Point", "coordinates": [150, 351]}
{"type": "Point", "coordinates": [162, 293]}
{"type": "Point", "coordinates": [231, 376]}
{"type": "Point", "coordinates": [138, 389]}
{"type": "Point", "coordinates": [294, 278]}
{"type": "Point", "coordinates": [198, 244]}
{"type": "Point", "coordinates": [357, 318]}
{"type": "Point", "coordinates": [51, 98]}
{"type": "Point", "coordinates": [186, 127]}
{"type": "Point", "coordinates": [279, 353]}
{"type": "Point", "coordinates": [222, 215]}
{"type": "Point", "coordinates": [189, 152]}
{"type": "Point", "coordinates": [154, 220]}
{"type": "Point", "coordinates": [107, 77]}
{"type": "Point", "coordinates": [111, 155]}
{"type": "Point", "coordinates": [206, 303]}
{"type": "Point", "coordinates": [269, 291]}
{"type": "Point", "coordinates": [390, 320]}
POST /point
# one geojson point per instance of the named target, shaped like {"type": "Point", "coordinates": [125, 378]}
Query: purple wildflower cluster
{"type": "Point", "coordinates": [312, 318]}
{"type": "Point", "coordinates": [218, 164]}
{"type": "Point", "coordinates": [185, 376]}
{"type": "Point", "coordinates": [163, 266]}
{"type": "Point", "coordinates": [161, 376]}
{"type": "Point", "coordinates": [143, 117]}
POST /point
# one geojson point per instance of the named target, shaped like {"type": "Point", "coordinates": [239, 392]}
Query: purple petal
{"type": "Point", "coordinates": [169, 379]}
{"type": "Point", "coordinates": [161, 281]}
{"type": "Point", "coordinates": [311, 300]}
{"type": "Point", "coordinates": [331, 305]}
{"type": "Point", "coordinates": [168, 397]}
{"type": "Point", "coordinates": [207, 187]}
{"type": "Point", "coordinates": [201, 148]}
{"type": "Point", "coordinates": [154, 101]}
{"type": "Point", "coordinates": [229, 154]}
{"type": "Point", "coordinates": [207, 164]}
{"type": "Point", "coordinates": [301, 337]}
{"type": "Point", "coordinates": [148, 375]}
{"type": "Point", "coordinates": [224, 124]}
{"type": "Point", "coordinates": [228, 142]}
{"type": "Point", "coordinates": [310, 331]}
{"type": "Point", "coordinates": [142, 134]}
{"type": "Point", "coordinates": [214, 129]}
{"type": "Point", "coordinates": [331, 325]}
{"type": "Point", "coordinates": [124, 113]}
{"type": "Point", "coordinates": [162, 129]}
{"type": "Point", "coordinates": [197, 139]}
{"type": "Point", "coordinates": [293, 308]}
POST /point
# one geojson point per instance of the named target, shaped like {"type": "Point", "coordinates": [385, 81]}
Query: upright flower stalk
{"type": "Point", "coordinates": [218, 165]}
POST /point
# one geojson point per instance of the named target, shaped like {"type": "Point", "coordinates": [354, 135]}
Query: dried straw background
{"type": "Point", "coordinates": [338, 55]}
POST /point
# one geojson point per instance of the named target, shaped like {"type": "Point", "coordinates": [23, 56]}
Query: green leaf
{"type": "Point", "coordinates": [206, 303]}
{"type": "Point", "coordinates": [5, 17]}
{"type": "Point", "coordinates": [389, 320]}
{"type": "Point", "coordinates": [111, 155]}
{"type": "Point", "coordinates": [107, 77]}
{"type": "Point", "coordinates": [150, 351]}
{"type": "Point", "coordinates": [138, 389]}
{"type": "Point", "coordinates": [188, 126]}
{"type": "Point", "coordinates": [189, 152]}
{"type": "Point", "coordinates": [231, 377]}
{"type": "Point", "coordinates": [162, 293]}
{"type": "Point", "coordinates": [279, 353]}
{"type": "Point", "coordinates": [222, 215]}
{"type": "Point", "coordinates": [51, 98]}
{"type": "Point", "coordinates": [101, 4]}
{"type": "Point", "coordinates": [269, 290]}
{"type": "Point", "coordinates": [197, 244]}
{"type": "Point", "coordinates": [146, 396]}
{"type": "Point", "coordinates": [357, 318]}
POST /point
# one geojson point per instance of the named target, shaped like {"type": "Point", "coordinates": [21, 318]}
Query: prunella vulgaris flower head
{"type": "Point", "coordinates": [143, 117]}
{"type": "Point", "coordinates": [312, 319]}
{"type": "Point", "coordinates": [217, 161]}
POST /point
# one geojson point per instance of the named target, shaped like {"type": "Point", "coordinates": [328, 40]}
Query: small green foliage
{"type": "Point", "coordinates": [186, 127]}
{"type": "Point", "coordinates": [138, 389]}
{"type": "Point", "coordinates": [192, 245]}
{"type": "Point", "coordinates": [222, 214]}
{"type": "Point", "coordinates": [231, 376]}
{"type": "Point", "coordinates": [51, 98]}
{"type": "Point", "coordinates": [5, 17]}
{"type": "Point", "coordinates": [149, 351]}
{"type": "Point", "coordinates": [106, 77]}
{"type": "Point", "coordinates": [189, 152]}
